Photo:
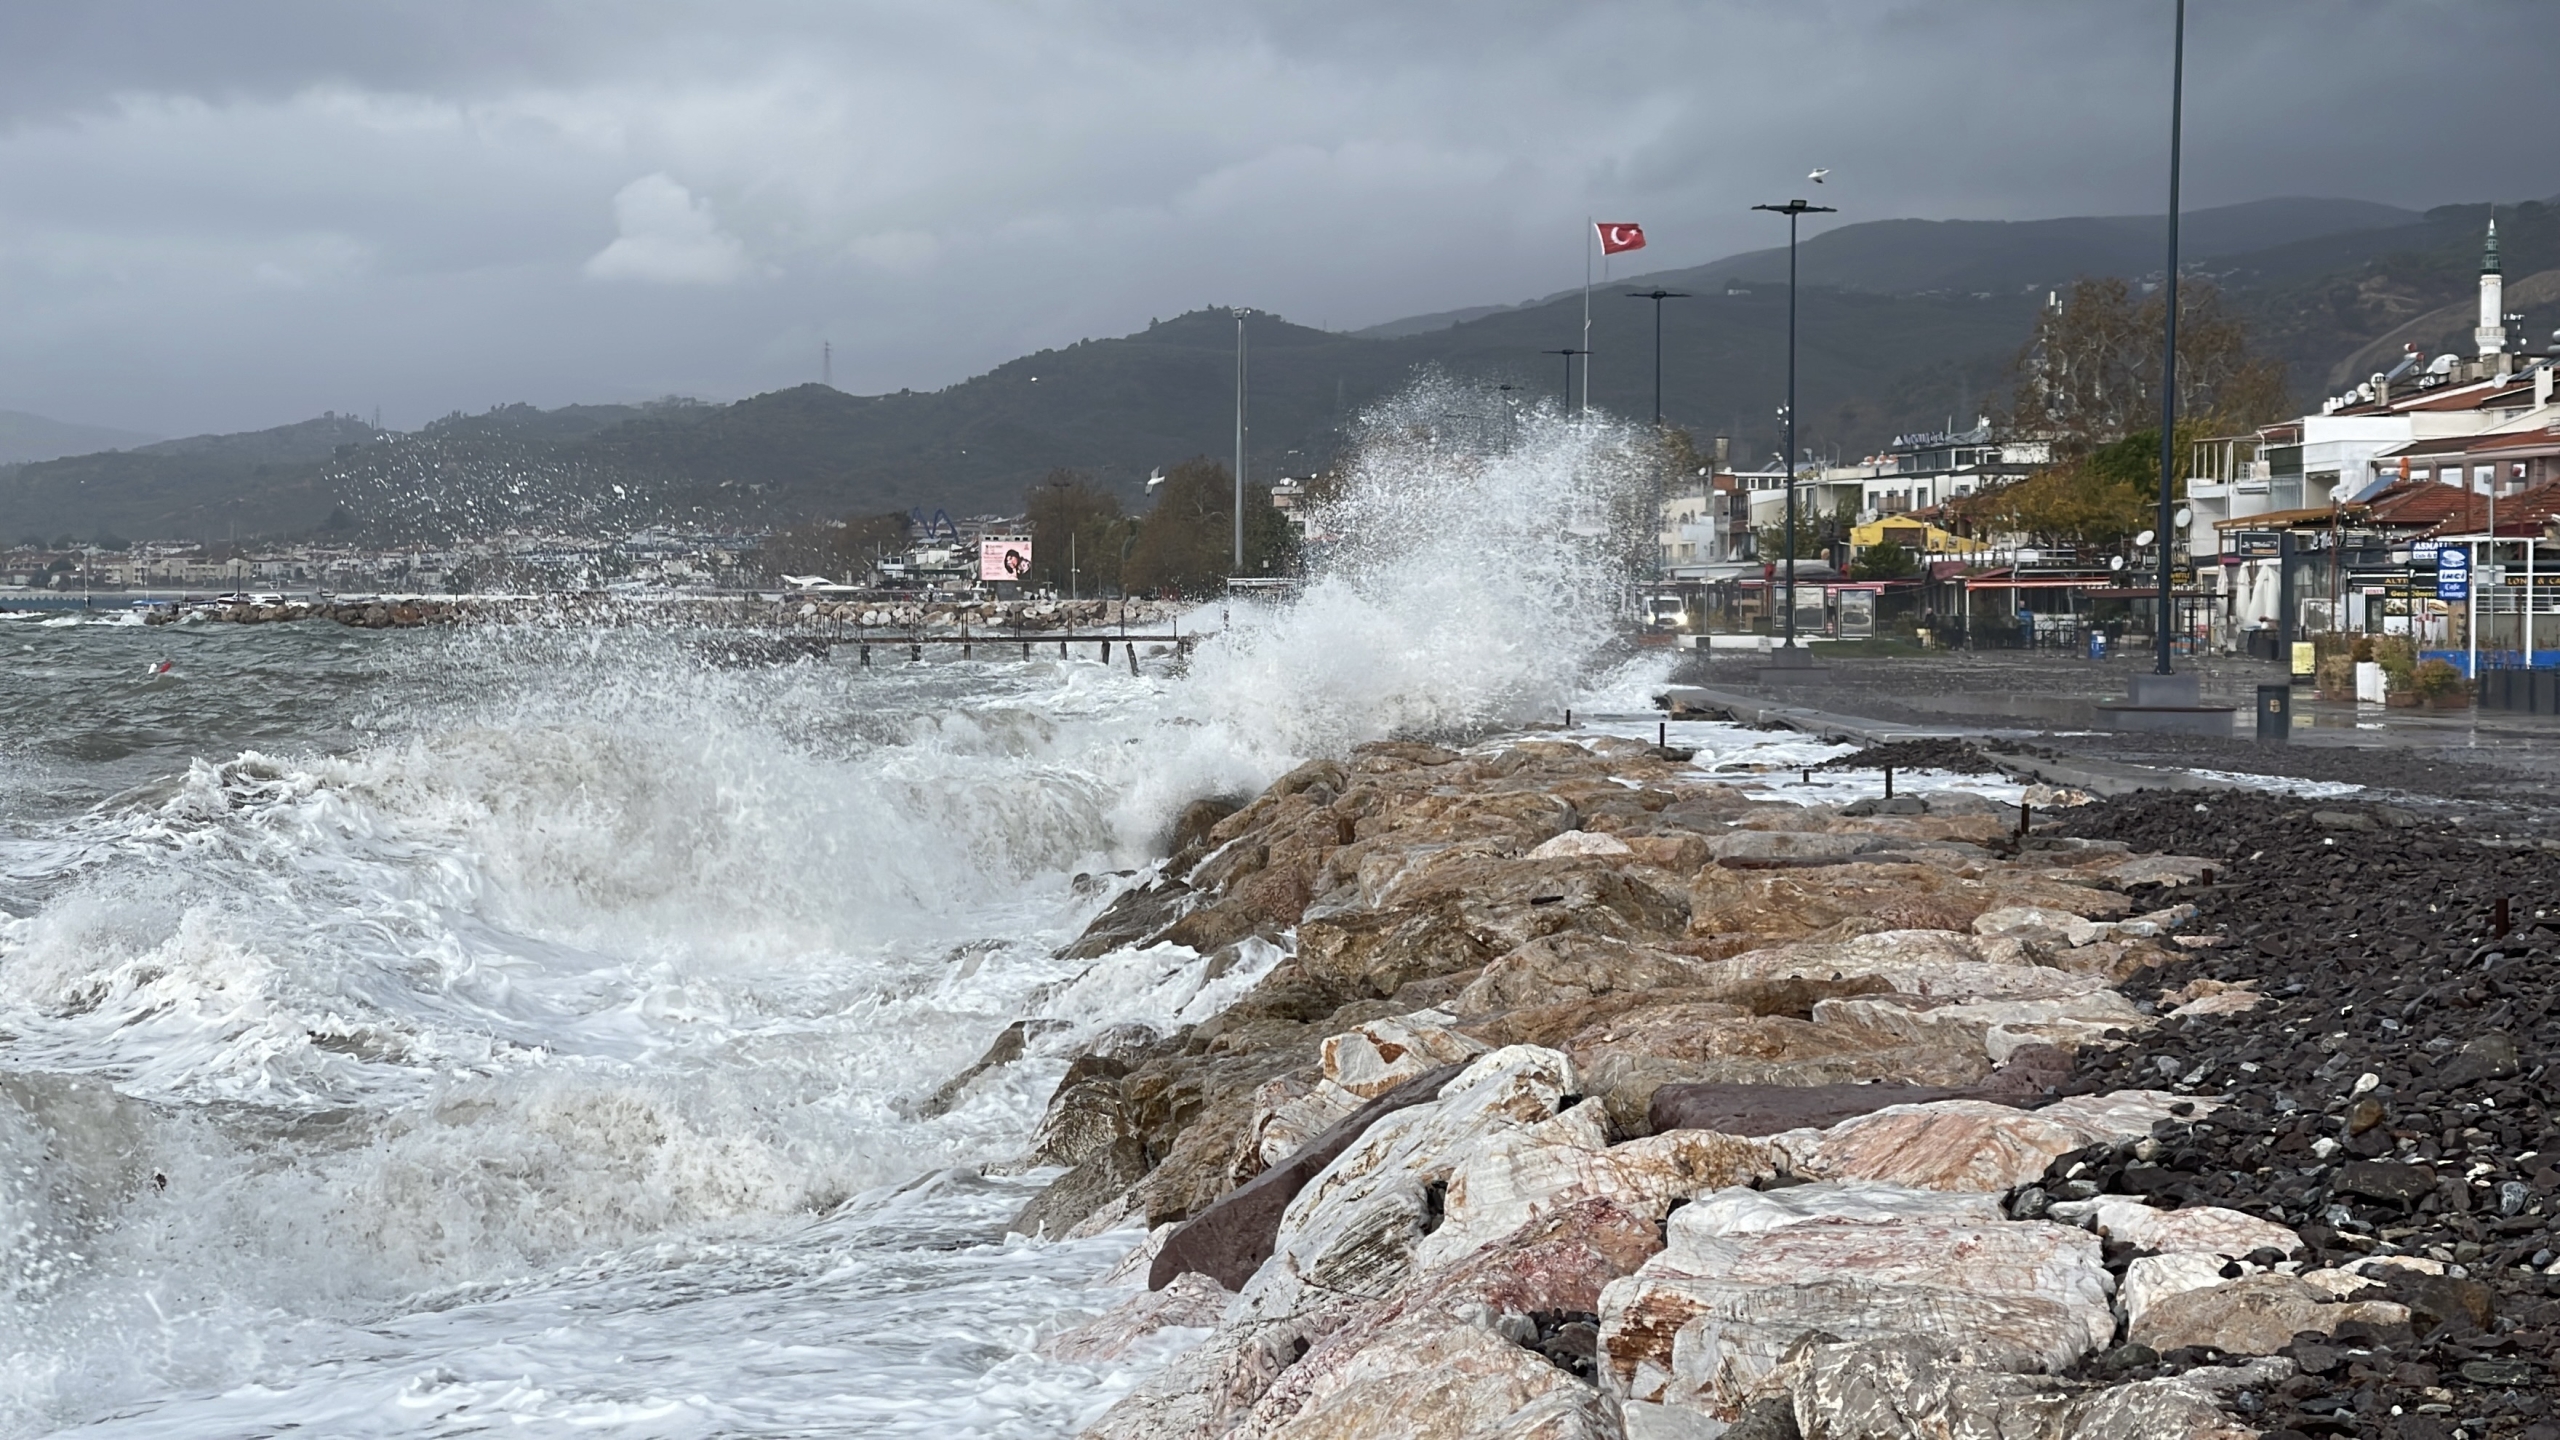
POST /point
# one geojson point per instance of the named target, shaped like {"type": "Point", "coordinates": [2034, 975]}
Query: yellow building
{"type": "Point", "coordinates": [1912, 535]}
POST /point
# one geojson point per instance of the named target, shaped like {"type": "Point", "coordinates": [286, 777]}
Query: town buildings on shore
{"type": "Point", "coordinates": [2339, 520]}
{"type": "Point", "coordinates": [2352, 518]}
{"type": "Point", "coordinates": [646, 559]}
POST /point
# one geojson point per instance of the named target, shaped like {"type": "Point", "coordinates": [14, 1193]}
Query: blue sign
{"type": "Point", "coordinates": [2453, 574]}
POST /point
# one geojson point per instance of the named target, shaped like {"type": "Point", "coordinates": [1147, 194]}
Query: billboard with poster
{"type": "Point", "coordinates": [1005, 557]}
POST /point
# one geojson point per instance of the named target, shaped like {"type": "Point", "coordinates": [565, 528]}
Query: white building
{"type": "Point", "coordinates": [2469, 422]}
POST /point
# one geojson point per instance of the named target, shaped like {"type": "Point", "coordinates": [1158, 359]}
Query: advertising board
{"type": "Point", "coordinates": [1005, 557]}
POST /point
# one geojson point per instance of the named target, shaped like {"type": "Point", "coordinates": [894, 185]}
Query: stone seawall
{"type": "Point", "coordinates": [1592, 1098]}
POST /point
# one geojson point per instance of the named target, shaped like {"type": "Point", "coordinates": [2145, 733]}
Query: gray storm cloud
{"type": "Point", "coordinates": [221, 217]}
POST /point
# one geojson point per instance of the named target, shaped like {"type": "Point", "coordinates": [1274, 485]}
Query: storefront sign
{"type": "Point", "coordinates": [2453, 574]}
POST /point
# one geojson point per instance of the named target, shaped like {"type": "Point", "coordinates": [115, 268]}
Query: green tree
{"type": "Point", "coordinates": [1885, 560]}
{"type": "Point", "coordinates": [2089, 384]}
{"type": "Point", "coordinates": [2089, 375]}
{"type": "Point", "coordinates": [1078, 525]}
{"type": "Point", "coordinates": [1187, 542]}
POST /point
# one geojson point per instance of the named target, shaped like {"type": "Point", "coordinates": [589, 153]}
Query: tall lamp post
{"type": "Point", "coordinates": [2169, 346]}
{"type": "Point", "coordinates": [1794, 210]}
{"type": "Point", "coordinates": [1657, 295]}
{"type": "Point", "coordinates": [1239, 565]}
{"type": "Point", "coordinates": [1568, 353]}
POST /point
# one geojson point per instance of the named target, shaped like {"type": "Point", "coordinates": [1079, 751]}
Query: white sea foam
{"type": "Point", "coordinates": [534, 1035]}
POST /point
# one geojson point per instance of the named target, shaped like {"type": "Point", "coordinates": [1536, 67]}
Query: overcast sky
{"type": "Point", "coordinates": [223, 216]}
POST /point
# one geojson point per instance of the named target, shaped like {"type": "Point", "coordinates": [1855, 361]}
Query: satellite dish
{"type": "Point", "coordinates": [2142, 539]}
{"type": "Point", "coordinates": [2184, 518]}
{"type": "Point", "coordinates": [2115, 562]}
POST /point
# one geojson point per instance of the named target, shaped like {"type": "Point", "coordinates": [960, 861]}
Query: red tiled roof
{"type": "Point", "coordinates": [2415, 502]}
{"type": "Point", "coordinates": [2521, 515]}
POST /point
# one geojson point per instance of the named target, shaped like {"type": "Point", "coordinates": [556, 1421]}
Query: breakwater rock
{"type": "Point", "coordinates": [1581, 1095]}
{"type": "Point", "coordinates": [994, 618]}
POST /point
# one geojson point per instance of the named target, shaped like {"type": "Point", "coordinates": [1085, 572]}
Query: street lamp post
{"type": "Point", "coordinates": [1239, 565]}
{"type": "Point", "coordinates": [1568, 353]}
{"type": "Point", "coordinates": [1657, 295]}
{"type": "Point", "coordinates": [2169, 345]}
{"type": "Point", "coordinates": [1794, 210]}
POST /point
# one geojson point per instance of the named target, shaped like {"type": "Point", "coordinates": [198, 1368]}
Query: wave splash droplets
{"type": "Point", "coordinates": [529, 974]}
{"type": "Point", "coordinates": [1468, 572]}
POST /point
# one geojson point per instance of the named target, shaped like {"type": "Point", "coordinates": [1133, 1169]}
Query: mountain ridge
{"type": "Point", "coordinates": [1876, 360]}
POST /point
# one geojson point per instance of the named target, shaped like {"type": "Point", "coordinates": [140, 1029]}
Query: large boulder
{"type": "Point", "coordinates": [2252, 1315]}
{"type": "Point", "coordinates": [1463, 915]}
{"type": "Point", "coordinates": [1914, 1385]}
{"type": "Point", "coordinates": [1779, 849]}
{"type": "Point", "coordinates": [1993, 1026]}
{"type": "Point", "coordinates": [1574, 967]}
{"type": "Point", "coordinates": [1973, 1144]}
{"type": "Point", "coordinates": [1558, 1265]}
{"type": "Point", "coordinates": [1512, 1178]}
{"type": "Point", "coordinates": [1231, 1238]}
{"type": "Point", "coordinates": [1706, 1322]}
{"type": "Point", "coordinates": [1352, 1231]}
{"type": "Point", "coordinates": [1930, 964]}
{"type": "Point", "coordinates": [1626, 1056]}
{"type": "Point", "coordinates": [1455, 1381]}
{"type": "Point", "coordinates": [1376, 1056]}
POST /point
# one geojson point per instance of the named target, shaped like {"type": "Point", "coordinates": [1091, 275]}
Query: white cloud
{"type": "Point", "coordinates": [668, 238]}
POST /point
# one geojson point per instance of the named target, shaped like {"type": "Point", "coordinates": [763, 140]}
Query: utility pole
{"type": "Point", "coordinates": [2169, 345]}
{"type": "Point", "coordinates": [827, 363]}
{"type": "Point", "coordinates": [1794, 210]}
{"type": "Point", "coordinates": [1239, 564]}
{"type": "Point", "coordinates": [1657, 295]}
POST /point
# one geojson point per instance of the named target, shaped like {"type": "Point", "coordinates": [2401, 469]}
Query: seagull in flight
{"type": "Point", "coordinates": [1816, 176]}
{"type": "Point", "coordinates": [1155, 479]}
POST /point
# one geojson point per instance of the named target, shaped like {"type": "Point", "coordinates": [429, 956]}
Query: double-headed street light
{"type": "Point", "coordinates": [1793, 210]}
{"type": "Point", "coordinates": [1657, 295]}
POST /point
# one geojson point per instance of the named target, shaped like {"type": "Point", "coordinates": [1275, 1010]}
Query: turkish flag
{"type": "Point", "coordinates": [1614, 238]}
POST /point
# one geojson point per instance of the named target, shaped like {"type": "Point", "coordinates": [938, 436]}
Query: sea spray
{"type": "Point", "coordinates": [431, 1020]}
{"type": "Point", "coordinates": [1468, 569]}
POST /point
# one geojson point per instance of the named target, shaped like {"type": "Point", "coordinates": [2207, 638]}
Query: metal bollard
{"type": "Point", "coordinates": [1888, 782]}
{"type": "Point", "coordinates": [2275, 713]}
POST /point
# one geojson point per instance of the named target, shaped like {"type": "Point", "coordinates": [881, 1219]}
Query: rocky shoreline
{"type": "Point", "coordinates": [1581, 1094]}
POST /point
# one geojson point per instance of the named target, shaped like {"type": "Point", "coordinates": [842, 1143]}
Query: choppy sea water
{"type": "Point", "coordinates": [521, 1028]}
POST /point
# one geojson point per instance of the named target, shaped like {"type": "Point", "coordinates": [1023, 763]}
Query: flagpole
{"type": "Point", "coordinates": [1590, 227]}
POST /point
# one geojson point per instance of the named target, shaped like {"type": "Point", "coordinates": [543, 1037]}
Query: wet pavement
{"type": "Point", "coordinates": [2042, 703]}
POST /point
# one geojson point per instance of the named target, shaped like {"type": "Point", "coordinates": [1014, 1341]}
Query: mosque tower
{"type": "Point", "coordinates": [2492, 334]}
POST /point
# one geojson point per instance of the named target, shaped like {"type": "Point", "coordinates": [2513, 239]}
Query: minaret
{"type": "Point", "coordinates": [2492, 334]}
